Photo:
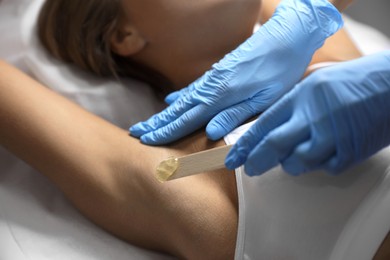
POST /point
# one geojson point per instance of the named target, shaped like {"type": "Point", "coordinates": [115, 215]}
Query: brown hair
{"type": "Point", "coordinates": [79, 32]}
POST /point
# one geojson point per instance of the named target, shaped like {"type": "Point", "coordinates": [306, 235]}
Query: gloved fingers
{"type": "Point", "coordinates": [186, 124]}
{"type": "Point", "coordinates": [230, 118]}
{"type": "Point", "coordinates": [167, 116]}
{"type": "Point", "coordinates": [307, 156]}
{"type": "Point", "coordinates": [267, 122]}
{"type": "Point", "coordinates": [338, 163]}
{"type": "Point", "coordinates": [313, 153]}
{"type": "Point", "coordinates": [343, 149]}
{"type": "Point", "coordinates": [172, 97]}
{"type": "Point", "coordinates": [276, 146]}
{"type": "Point", "coordinates": [181, 93]}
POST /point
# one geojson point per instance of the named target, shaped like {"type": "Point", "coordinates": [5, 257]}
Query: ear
{"type": "Point", "coordinates": [127, 41]}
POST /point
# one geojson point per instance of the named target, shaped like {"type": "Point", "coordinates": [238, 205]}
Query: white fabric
{"type": "Point", "coordinates": [11, 45]}
{"type": "Point", "coordinates": [315, 216]}
{"type": "Point", "coordinates": [36, 221]}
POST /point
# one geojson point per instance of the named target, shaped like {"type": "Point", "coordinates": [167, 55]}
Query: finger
{"type": "Point", "coordinates": [172, 97]}
{"type": "Point", "coordinates": [167, 116]}
{"type": "Point", "coordinates": [185, 91]}
{"type": "Point", "coordinates": [227, 120]}
{"type": "Point", "coordinates": [346, 151]}
{"type": "Point", "coordinates": [338, 163]}
{"type": "Point", "coordinates": [310, 155]}
{"type": "Point", "coordinates": [276, 146]}
{"type": "Point", "coordinates": [186, 124]}
{"type": "Point", "coordinates": [271, 119]}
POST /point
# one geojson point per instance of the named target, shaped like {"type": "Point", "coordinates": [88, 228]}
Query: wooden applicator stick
{"type": "Point", "coordinates": [174, 168]}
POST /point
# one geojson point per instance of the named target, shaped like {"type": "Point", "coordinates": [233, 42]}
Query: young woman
{"type": "Point", "coordinates": [105, 173]}
{"type": "Point", "coordinates": [166, 43]}
{"type": "Point", "coordinates": [109, 177]}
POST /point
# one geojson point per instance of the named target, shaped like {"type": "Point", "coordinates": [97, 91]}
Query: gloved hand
{"type": "Point", "coordinates": [334, 118]}
{"type": "Point", "coordinates": [249, 79]}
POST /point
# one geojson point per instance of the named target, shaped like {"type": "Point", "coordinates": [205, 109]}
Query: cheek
{"type": "Point", "coordinates": [156, 15]}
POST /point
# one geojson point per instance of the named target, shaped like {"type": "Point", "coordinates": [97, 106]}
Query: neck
{"type": "Point", "coordinates": [181, 76]}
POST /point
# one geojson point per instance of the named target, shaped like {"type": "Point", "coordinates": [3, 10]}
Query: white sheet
{"type": "Point", "coordinates": [314, 216]}
{"type": "Point", "coordinates": [11, 44]}
{"type": "Point", "coordinates": [36, 221]}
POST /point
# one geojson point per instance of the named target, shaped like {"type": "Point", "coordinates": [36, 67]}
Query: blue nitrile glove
{"type": "Point", "coordinates": [249, 79]}
{"type": "Point", "coordinates": [334, 118]}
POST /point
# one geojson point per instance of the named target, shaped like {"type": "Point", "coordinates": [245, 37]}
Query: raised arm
{"type": "Point", "coordinates": [108, 175]}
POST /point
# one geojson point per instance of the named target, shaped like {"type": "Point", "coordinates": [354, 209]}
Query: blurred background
{"type": "Point", "coordinates": [372, 12]}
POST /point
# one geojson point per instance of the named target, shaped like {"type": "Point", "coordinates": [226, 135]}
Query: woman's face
{"type": "Point", "coordinates": [185, 37]}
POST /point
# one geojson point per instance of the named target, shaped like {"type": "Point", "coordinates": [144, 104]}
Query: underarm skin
{"type": "Point", "coordinates": [109, 176]}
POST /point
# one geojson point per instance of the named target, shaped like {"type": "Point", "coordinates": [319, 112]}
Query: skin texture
{"type": "Point", "coordinates": [109, 176]}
